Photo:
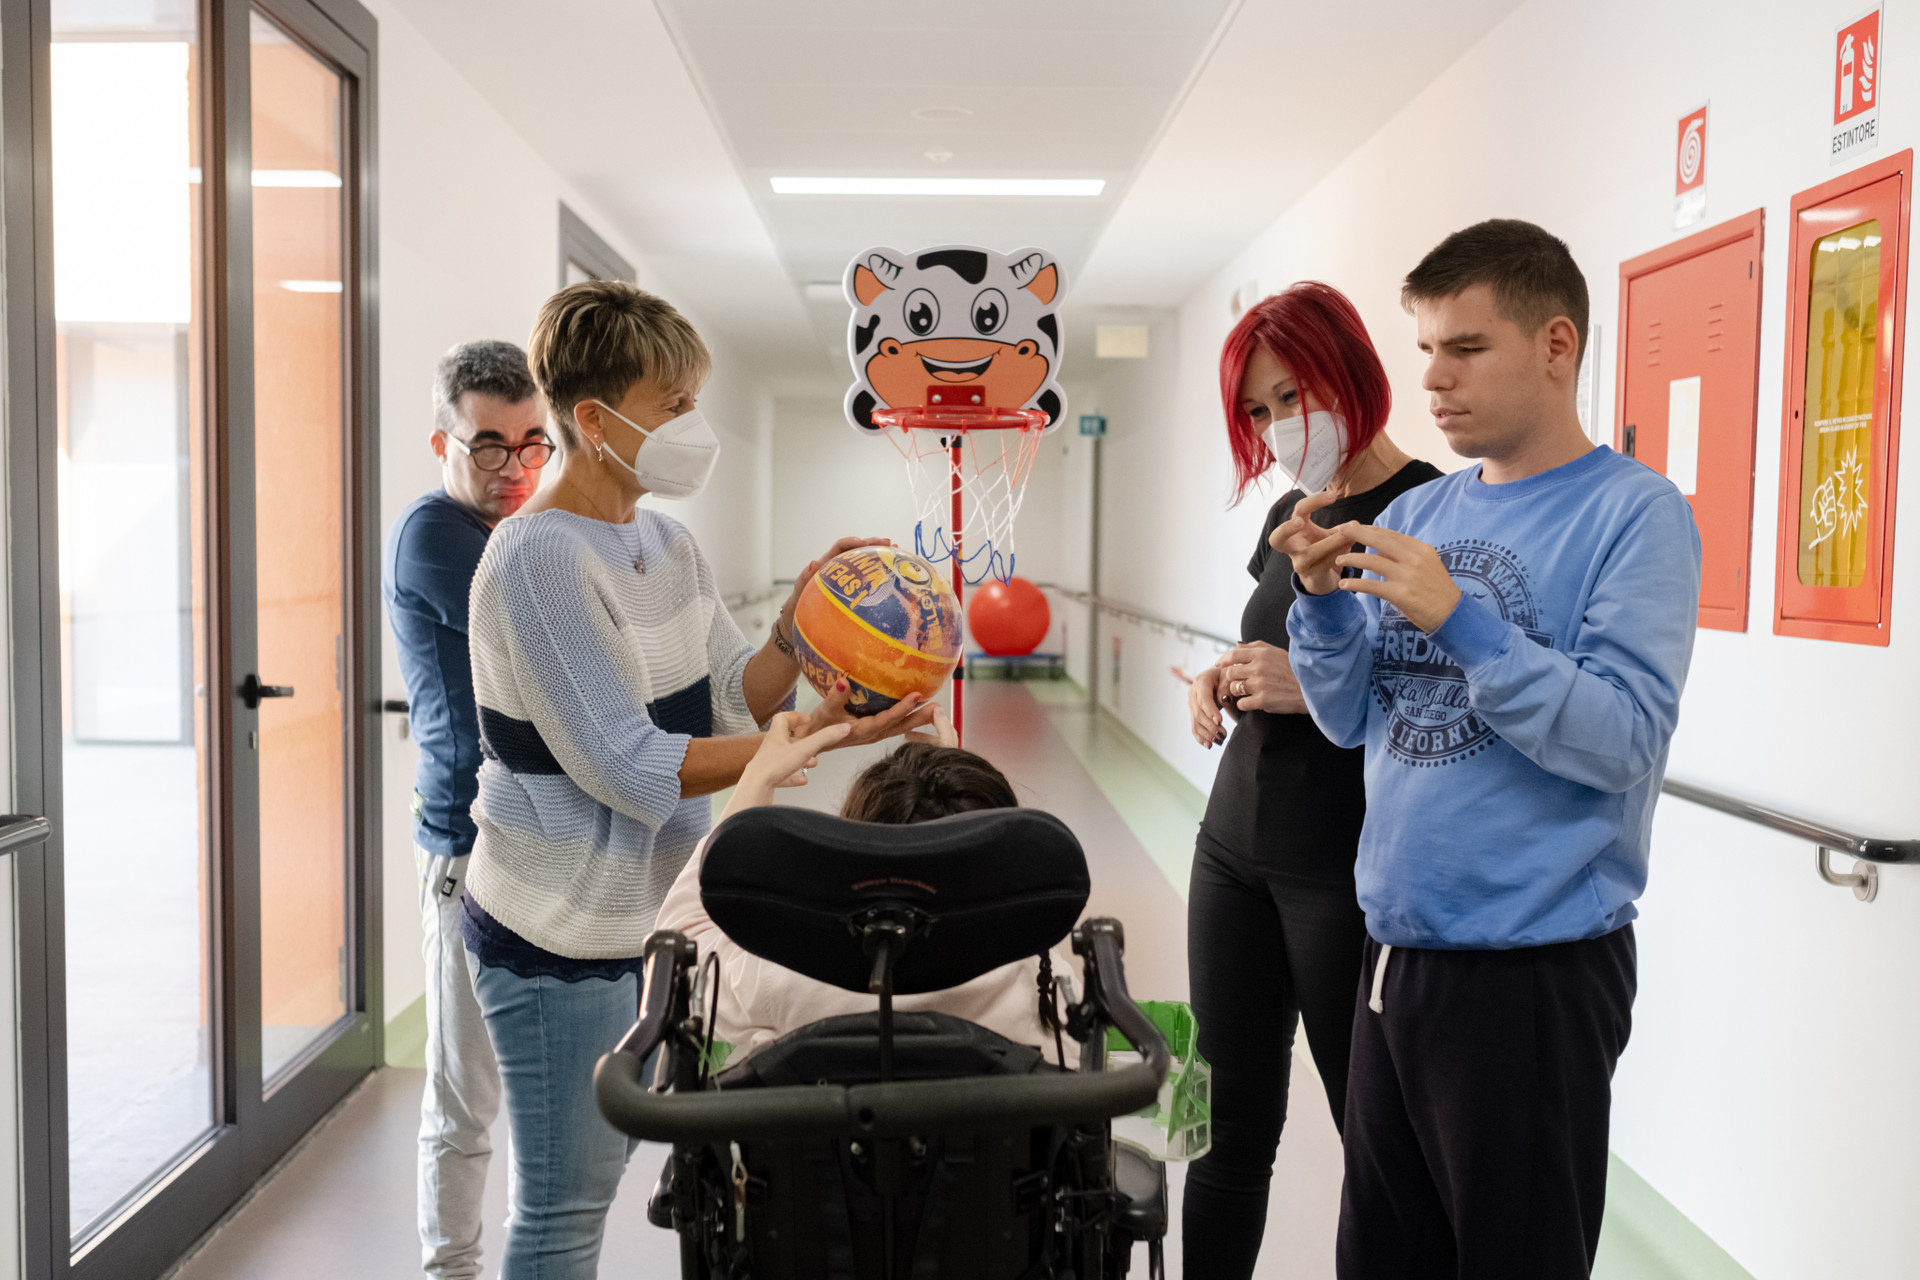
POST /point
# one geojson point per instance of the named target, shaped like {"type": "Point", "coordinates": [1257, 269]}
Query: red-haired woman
{"type": "Point", "coordinates": [1274, 933]}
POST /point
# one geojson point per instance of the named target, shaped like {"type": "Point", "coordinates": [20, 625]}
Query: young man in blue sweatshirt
{"type": "Point", "coordinates": [1510, 647]}
{"type": "Point", "coordinates": [490, 434]}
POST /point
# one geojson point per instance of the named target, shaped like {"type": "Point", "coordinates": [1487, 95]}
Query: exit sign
{"type": "Point", "coordinates": [1092, 424]}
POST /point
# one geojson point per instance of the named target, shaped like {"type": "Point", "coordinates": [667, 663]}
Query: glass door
{"type": "Point", "coordinates": [136, 769]}
{"type": "Point", "coordinates": [300, 328]}
{"type": "Point", "coordinates": [203, 562]}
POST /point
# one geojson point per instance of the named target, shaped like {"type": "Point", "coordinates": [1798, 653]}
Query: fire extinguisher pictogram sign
{"type": "Point", "coordinates": [1857, 56]}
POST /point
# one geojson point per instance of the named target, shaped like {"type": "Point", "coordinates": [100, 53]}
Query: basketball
{"type": "Point", "coordinates": [1009, 619]}
{"type": "Point", "coordinates": [884, 620]}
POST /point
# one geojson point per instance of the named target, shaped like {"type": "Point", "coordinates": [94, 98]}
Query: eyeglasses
{"type": "Point", "coordinates": [533, 454]}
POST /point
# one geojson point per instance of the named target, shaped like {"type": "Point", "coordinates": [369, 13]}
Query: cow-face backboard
{"type": "Point", "coordinates": [955, 318]}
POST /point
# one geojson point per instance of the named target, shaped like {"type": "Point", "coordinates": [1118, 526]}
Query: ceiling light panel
{"type": "Point", "coordinates": [938, 186]}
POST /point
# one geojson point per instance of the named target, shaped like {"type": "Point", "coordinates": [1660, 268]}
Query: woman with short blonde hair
{"type": "Point", "coordinates": [615, 693]}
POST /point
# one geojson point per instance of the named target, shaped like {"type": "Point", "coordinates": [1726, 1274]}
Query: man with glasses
{"type": "Point", "coordinates": [490, 434]}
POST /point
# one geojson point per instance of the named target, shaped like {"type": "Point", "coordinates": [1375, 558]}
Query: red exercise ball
{"type": "Point", "coordinates": [1008, 619]}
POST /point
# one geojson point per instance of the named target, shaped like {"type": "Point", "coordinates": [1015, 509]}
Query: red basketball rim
{"type": "Point", "coordinates": [921, 417]}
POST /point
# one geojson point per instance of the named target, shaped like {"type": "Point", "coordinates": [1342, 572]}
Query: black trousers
{"type": "Point", "coordinates": [1477, 1111]}
{"type": "Point", "coordinates": [1265, 952]}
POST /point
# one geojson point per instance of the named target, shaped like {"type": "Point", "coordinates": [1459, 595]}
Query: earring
{"type": "Point", "coordinates": [600, 450]}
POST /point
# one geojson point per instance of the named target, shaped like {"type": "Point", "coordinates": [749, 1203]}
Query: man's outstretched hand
{"type": "Point", "coordinates": [1311, 548]}
{"type": "Point", "coordinates": [1412, 578]}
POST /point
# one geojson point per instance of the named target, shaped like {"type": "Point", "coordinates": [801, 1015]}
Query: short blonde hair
{"type": "Point", "coordinates": [595, 339]}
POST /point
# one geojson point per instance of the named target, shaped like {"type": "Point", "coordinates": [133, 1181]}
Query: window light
{"type": "Point", "coordinates": [295, 178]}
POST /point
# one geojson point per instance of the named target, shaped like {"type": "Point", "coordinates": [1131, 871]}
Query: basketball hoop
{"type": "Point", "coordinates": [956, 357]}
{"type": "Point", "coordinates": [967, 468]}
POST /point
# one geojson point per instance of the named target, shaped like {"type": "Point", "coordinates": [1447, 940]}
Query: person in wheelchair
{"type": "Point", "coordinates": [895, 1139]}
{"type": "Point", "coordinates": [925, 778]}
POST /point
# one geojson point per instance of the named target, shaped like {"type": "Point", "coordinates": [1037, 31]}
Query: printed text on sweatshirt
{"type": "Point", "coordinates": [1514, 755]}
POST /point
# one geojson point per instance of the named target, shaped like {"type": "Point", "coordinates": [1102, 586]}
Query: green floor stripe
{"type": "Point", "coordinates": [1158, 804]}
{"type": "Point", "coordinates": [407, 1035]}
{"type": "Point", "coordinates": [1645, 1237]}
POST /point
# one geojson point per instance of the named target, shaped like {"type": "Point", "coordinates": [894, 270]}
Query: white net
{"type": "Point", "coordinates": [992, 467]}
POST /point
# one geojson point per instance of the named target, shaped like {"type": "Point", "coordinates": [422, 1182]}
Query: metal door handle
{"type": "Point", "coordinates": [251, 691]}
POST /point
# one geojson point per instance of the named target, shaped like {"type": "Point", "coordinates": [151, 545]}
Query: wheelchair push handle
{"type": "Point", "coordinates": [900, 1109]}
{"type": "Point", "coordinates": [897, 1109]}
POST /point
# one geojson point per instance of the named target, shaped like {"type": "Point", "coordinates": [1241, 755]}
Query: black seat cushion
{"type": "Point", "coordinates": [998, 884]}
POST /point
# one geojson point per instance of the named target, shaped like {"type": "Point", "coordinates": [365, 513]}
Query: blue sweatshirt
{"type": "Point", "coordinates": [1513, 756]}
{"type": "Point", "coordinates": [427, 570]}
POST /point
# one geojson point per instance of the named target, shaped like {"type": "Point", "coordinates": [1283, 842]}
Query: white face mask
{"type": "Point", "coordinates": [674, 459]}
{"type": "Point", "coordinates": [1309, 449]}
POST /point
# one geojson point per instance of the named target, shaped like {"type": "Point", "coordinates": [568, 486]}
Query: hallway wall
{"type": "Point", "coordinates": [469, 247]}
{"type": "Point", "coordinates": [1745, 1097]}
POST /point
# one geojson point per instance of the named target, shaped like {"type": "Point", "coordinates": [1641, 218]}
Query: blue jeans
{"type": "Point", "coordinates": [567, 1160]}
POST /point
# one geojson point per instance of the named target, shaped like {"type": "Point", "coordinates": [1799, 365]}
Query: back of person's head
{"type": "Point", "coordinates": [490, 368]}
{"type": "Point", "coordinates": [596, 339]}
{"type": "Point", "coordinates": [1529, 270]}
{"type": "Point", "coordinates": [1317, 333]}
{"type": "Point", "coordinates": [921, 781]}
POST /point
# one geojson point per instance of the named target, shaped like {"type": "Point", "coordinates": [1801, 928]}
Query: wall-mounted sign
{"type": "Point", "coordinates": [1690, 169]}
{"type": "Point", "coordinates": [1093, 424]}
{"type": "Point", "coordinates": [1840, 428]}
{"type": "Point", "coordinates": [1857, 55]}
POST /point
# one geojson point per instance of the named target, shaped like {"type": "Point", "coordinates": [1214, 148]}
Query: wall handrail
{"type": "Point", "coordinates": [1871, 848]}
{"type": "Point", "coordinates": [22, 831]}
{"type": "Point", "coordinates": [747, 599]}
{"type": "Point", "coordinates": [1152, 621]}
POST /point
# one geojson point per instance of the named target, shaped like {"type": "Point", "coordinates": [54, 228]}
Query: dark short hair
{"type": "Point", "coordinates": [1529, 269]}
{"type": "Point", "coordinates": [921, 781]}
{"type": "Point", "coordinates": [595, 339]}
{"type": "Point", "coordinates": [490, 367]}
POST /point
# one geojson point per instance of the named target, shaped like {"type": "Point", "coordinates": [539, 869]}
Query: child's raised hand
{"type": "Point", "coordinates": [943, 734]}
{"type": "Point", "coordinates": [786, 753]}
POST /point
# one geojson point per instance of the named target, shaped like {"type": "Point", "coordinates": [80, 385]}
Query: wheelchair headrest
{"type": "Point", "coordinates": [998, 885]}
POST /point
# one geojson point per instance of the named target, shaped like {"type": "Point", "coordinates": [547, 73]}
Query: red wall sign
{"type": "Point", "coordinates": [1856, 88]}
{"type": "Point", "coordinates": [1690, 169]}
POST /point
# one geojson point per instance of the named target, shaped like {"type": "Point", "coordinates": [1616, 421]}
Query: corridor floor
{"type": "Point", "coordinates": [344, 1204]}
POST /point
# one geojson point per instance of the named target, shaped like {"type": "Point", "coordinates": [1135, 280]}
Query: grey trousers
{"type": "Point", "coordinates": [463, 1083]}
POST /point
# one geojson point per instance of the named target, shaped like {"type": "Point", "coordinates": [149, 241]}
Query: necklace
{"type": "Point", "coordinates": [598, 510]}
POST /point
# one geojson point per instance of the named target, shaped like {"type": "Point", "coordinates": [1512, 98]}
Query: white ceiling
{"type": "Point", "coordinates": [1205, 117]}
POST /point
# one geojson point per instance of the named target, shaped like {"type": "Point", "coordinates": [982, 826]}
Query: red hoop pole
{"type": "Point", "coordinates": [959, 594]}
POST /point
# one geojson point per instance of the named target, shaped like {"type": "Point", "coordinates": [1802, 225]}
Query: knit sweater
{"type": "Point", "coordinates": [599, 651]}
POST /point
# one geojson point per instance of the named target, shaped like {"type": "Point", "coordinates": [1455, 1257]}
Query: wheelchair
{"type": "Point", "coordinates": [895, 1147]}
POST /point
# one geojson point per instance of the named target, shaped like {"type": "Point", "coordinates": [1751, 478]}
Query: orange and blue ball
{"type": "Point", "coordinates": [883, 620]}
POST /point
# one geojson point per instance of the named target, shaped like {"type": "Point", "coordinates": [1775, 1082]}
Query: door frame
{"type": "Point", "coordinates": [252, 1131]}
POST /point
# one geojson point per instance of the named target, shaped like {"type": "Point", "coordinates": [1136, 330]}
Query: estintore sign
{"type": "Point", "coordinates": [1857, 55]}
{"type": "Point", "coordinates": [1690, 169]}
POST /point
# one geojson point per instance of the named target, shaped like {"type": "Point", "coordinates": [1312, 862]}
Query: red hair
{"type": "Point", "coordinates": [1315, 331]}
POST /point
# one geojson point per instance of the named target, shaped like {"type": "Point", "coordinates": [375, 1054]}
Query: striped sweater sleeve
{"type": "Point", "coordinates": [576, 680]}
{"type": "Point", "coordinates": [728, 652]}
